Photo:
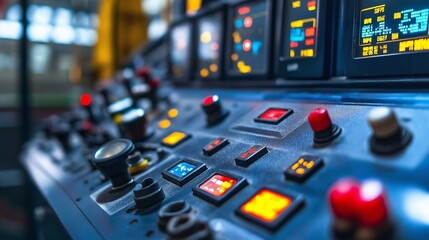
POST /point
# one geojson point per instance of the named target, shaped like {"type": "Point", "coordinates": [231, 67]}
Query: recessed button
{"type": "Point", "coordinates": [183, 171]}
{"type": "Point", "coordinates": [274, 116]}
{"type": "Point", "coordinates": [303, 168]}
{"type": "Point", "coordinates": [175, 139]}
{"type": "Point", "coordinates": [219, 187]}
{"type": "Point", "coordinates": [270, 208]}
{"type": "Point", "coordinates": [251, 155]}
{"type": "Point", "coordinates": [215, 146]}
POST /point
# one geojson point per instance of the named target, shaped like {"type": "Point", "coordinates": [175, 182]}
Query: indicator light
{"type": "Point", "coordinates": [173, 113]}
{"type": "Point", "coordinates": [85, 99]}
{"type": "Point", "coordinates": [303, 168]}
{"type": "Point", "coordinates": [164, 124]}
{"type": "Point", "coordinates": [219, 187]}
{"type": "Point", "coordinates": [270, 208]}
{"type": "Point", "coordinates": [175, 139]}
{"type": "Point", "coordinates": [215, 146]}
{"type": "Point", "coordinates": [250, 156]}
{"type": "Point", "coordinates": [248, 22]}
{"type": "Point", "coordinates": [243, 10]}
{"type": "Point", "coordinates": [183, 171]}
{"type": "Point", "coordinates": [247, 45]}
{"type": "Point", "coordinates": [274, 115]}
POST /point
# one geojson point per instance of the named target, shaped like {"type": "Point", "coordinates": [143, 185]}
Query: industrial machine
{"type": "Point", "coordinates": [291, 119]}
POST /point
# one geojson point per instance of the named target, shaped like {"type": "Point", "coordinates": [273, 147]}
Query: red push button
{"type": "Point", "coordinates": [274, 115]}
{"type": "Point", "coordinates": [371, 207]}
{"type": "Point", "coordinates": [212, 107]}
{"type": "Point", "coordinates": [343, 197]}
{"type": "Point", "coordinates": [209, 100]}
{"type": "Point", "coordinates": [324, 129]}
{"type": "Point", "coordinates": [250, 156]}
{"type": "Point", "coordinates": [215, 146]}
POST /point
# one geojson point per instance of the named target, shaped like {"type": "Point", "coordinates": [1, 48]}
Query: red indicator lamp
{"type": "Point", "coordinates": [243, 10]}
{"type": "Point", "coordinates": [218, 185]}
{"type": "Point", "coordinates": [294, 44]}
{"type": "Point", "coordinates": [209, 100]}
{"type": "Point", "coordinates": [85, 99]}
{"type": "Point", "coordinates": [247, 45]}
{"type": "Point", "coordinates": [343, 196]}
{"type": "Point", "coordinates": [371, 207]}
{"type": "Point", "coordinates": [248, 22]}
{"type": "Point", "coordinates": [310, 32]}
{"type": "Point", "coordinates": [212, 107]}
{"type": "Point", "coordinates": [324, 129]}
{"type": "Point", "coordinates": [309, 42]}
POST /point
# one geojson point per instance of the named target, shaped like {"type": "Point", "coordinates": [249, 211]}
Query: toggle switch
{"type": "Point", "coordinates": [213, 109]}
{"type": "Point", "coordinates": [323, 128]}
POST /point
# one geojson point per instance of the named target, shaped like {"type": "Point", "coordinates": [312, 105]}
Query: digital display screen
{"type": "Point", "coordinates": [180, 50]}
{"type": "Point", "coordinates": [391, 27]}
{"type": "Point", "coordinates": [209, 45]}
{"type": "Point", "coordinates": [249, 38]}
{"type": "Point", "coordinates": [301, 23]}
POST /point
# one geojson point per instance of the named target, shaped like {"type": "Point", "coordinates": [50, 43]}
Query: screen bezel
{"type": "Point", "coordinates": [414, 64]}
{"type": "Point", "coordinates": [187, 76]}
{"type": "Point", "coordinates": [319, 66]}
{"type": "Point", "coordinates": [264, 74]}
{"type": "Point", "coordinates": [216, 10]}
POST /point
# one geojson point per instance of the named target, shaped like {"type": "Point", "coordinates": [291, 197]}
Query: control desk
{"type": "Point", "coordinates": [256, 119]}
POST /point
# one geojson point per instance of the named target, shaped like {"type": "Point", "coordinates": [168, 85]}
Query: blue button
{"type": "Point", "coordinates": [182, 169]}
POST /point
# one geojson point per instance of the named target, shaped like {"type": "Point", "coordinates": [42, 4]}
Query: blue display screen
{"type": "Point", "coordinates": [182, 169]}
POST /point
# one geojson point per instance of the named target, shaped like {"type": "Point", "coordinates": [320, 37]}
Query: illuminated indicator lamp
{"type": "Point", "coordinates": [183, 171]}
{"type": "Point", "coordinates": [251, 155]}
{"type": "Point", "coordinates": [215, 146]}
{"type": "Point", "coordinates": [294, 44]}
{"type": "Point", "coordinates": [173, 113]}
{"type": "Point", "coordinates": [303, 168]}
{"type": "Point", "coordinates": [164, 124]}
{"type": "Point", "coordinates": [248, 22]}
{"type": "Point", "coordinates": [388, 134]}
{"type": "Point", "coordinates": [219, 187]}
{"type": "Point", "coordinates": [324, 129]}
{"type": "Point", "coordinates": [247, 45]}
{"type": "Point", "coordinates": [311, 5]}
{"type": "Point", "coordinates": [309, 42]}
{"type": "Point", "coordinates": [310, 32]}
{"type": "Point", "coordinates": [111, 158]}
{"type": "Point", "coordinates": [215, 46]}
{"type": "Point", "coordinates": [212, 107]}
{"type": "Point", "coordinates": [175, 139]}
{"type": "Point", "coordinates": [274, 115]}
{"type": "Point", "coordinates": [243, 10]}
{"type": "Point", "coordinates": [85, 99]}
{"type": "Point", "coordinates": [270, 208]}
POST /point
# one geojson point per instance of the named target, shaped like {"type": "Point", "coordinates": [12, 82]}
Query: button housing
{"type": "Point", "coordinates": [251, 155]}
{"type": "Point", "coordinates": [214, 146]}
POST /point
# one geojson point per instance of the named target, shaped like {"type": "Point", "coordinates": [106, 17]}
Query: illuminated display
{"type": "Point", "coordinates": [180, 52]}
{"type": "Point", "coordinates": [182, 169]}
{"type": "Point", "coordinates": [209, 45]}
{"type": "Point", "coordinates": [301, 27]}
{"type": "Point", "coordinates": [175, 139]}
{"type": "Point", "coordinates": [274, 115]}
{"type": "Point", "coordinates": [266, 205]}
{"type": "Point", "coordinates": [218, 185]}
{"type": "Point", "coordinates": [249, 38]}
{"type": "Point", "coordinates": [391, 27]}
{"type": "Point", "coordinates": [303, 168]}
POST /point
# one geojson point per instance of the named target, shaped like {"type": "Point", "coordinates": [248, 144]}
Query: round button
{"type": "Point", "coordinates": [371, 206]}
{"type": "Point", "coordinates": [319, 120]}
{"type": "Point", "coordinates": [210, 100]}
{"type": "Point", "coordinates": [383, 122]}
{"type": "Point", "coordinates": [343, 196]}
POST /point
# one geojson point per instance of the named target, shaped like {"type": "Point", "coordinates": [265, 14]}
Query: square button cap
{"type": "Point", "coordinates": [274, 115]}
{"type": "Point", "coordinates": [175, 138]}
{"type": "Point", "coordinates": [303, 168]}
{"type": "Point", "coordinates": [183, 171]}
{"type": "Point", "coordinates": [251, 155]}
{"type": "Point", "coordinates": [215, 146]}
{"type": "Point", "coordinates": [219, 187]}
{"type": "Point", "coordinates": [270, 208]}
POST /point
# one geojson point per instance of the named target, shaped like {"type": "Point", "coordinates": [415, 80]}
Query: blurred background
{"type": "Point", "coordinates": [50, 52]}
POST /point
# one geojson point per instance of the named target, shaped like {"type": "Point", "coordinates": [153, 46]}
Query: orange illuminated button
{"type": "Point", "coordinates": [270, 208]}
{"type": "Point", "coordinates": [274, 115]}
{"type": "Point", "coordinates": [251, 155]}
{"type": "Point", "coordinates": [219, 187]}
{"type": "Point", "coordinates": [215, 146]}
{"type": "Point", "coordinates": [303, 168]}
{"type": "Point", "coordinates": [175, 139]}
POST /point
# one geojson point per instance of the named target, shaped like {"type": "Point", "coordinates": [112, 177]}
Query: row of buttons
{"type": "Point", "coordinates": [267, 207]}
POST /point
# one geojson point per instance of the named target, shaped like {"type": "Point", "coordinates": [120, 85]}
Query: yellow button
{"type": "Point", "coordinates": [164, 124]}
{"type": "Point", "coordinates": [173, 113]}
{"type": "Point", "coordinates": [175, 138]}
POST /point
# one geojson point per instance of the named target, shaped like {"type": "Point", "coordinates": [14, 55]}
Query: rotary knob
{"type": "Point", "coordinates": [213, 109]}
{"type": "Point", "coordinates": [111, 158]}
{"type": "Point", "coordinates": [148, 194]}
{"type": "Point", "coordinates": [135, 125]}
{"type": "Point", "coordinates": [323, 128]}
{"type": "Point", "coordinates": [388, 134]}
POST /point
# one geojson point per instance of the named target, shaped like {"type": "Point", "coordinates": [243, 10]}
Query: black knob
{"type": "Point", "coordinates": [188, 226]}
{"type": "Point", "coordinates": [62, 131]}
{"type": "Point", "coordinates": [148, 194]}
{"type": "Point", "coordinates": [135, 125]}
{"type": "Point", "coordinates": [111, 158]}
{"type": "Point", "coordinates": [171, 210]}
{"type": "Point", "coordinates": [213, 109]}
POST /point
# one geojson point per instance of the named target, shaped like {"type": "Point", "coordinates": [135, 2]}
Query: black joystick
{"type": "Point", "coordinates": [135, 125]}
{"type": "Point", "coordinates": [111, 158]}
{"type": "Point", "coordinates": [212, 106]}
{"type": "Point", "coordinates": [148, 194]}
